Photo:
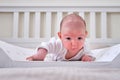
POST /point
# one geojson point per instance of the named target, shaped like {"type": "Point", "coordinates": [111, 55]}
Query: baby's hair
{"type": "Point", "coordinates": [69, 16]}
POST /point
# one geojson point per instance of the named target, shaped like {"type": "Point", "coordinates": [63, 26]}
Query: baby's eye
{"type": "Point", "coordinates": [68, 38]}
{"type": "Point", "coordinates": [79, 38]}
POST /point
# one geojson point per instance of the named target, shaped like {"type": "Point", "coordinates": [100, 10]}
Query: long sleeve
{"type": "Point", "coordinates": [53, 46]}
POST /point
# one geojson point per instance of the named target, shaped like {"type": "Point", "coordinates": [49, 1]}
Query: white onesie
{"type": "Point", "coordinates": [57, 52]}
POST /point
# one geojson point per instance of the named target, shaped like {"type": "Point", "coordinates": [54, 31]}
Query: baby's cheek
{"type": "Point", "coordinates": [66, 45]}
{"type": "Point", "coordinates": [80, 45]}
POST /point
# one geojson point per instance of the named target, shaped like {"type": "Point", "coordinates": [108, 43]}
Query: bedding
{"type": "Point", "coordinates": [60, 73]}
{"type": "Point", "coordinates": [101, 54]}
{"type": "Point", "coordinates": [15, 56]}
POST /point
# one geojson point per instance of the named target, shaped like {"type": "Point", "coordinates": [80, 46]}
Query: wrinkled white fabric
{"type": "Point", "coordinates": [106, 54]}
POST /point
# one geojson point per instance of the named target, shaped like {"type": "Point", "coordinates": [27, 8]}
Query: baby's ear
{"type": "Point", "coordinates": [59, 35]}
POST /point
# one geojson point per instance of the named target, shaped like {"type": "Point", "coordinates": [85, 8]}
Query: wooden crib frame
{"type": "Point", "coordinates": [27, 41]}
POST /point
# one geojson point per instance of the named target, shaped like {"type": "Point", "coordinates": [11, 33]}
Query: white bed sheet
{"type": "Point", "coordinates": [106, 54]}
{"type": "Point", "coordinates": [15, 56]}
{"type": "Point", "coordinates": [59, 73]}
{"type": "Point", "coordinates": [75, 70]}
{"type": "Point", "coordinates": [19, 53]}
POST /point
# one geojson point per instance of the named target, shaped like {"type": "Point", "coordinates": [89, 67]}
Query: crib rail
{"type": "Point", "coordinates": [51, 23]}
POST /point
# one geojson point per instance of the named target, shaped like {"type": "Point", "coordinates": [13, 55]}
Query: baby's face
{"type": "Point", "coordinates": [73, 36]}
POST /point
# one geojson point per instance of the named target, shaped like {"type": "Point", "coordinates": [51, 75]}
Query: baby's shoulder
{"type": "Point", "coordinates": [55, 39]}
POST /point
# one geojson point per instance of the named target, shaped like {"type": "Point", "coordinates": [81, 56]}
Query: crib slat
{"type": "Point", "coordinates": [92, 25]}
{"type": "Point", "coordinates": [37, 24]}
{"type": "Point", "coordinates": [15, 24]}
{"type": "Point", "coordinates": [48, 25]}
{"type": "Point", "coordinates": [59, 18]}
{"type": "Point", "coordinates": [103, 25]}
{"type": "Point", "coordinates": [82, 14]}
{"type": "Point", "coordinates": [26, 25]}
{"type": "Point", "coordinates": [70, 12]}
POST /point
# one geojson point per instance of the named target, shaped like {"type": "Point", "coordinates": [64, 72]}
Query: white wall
{"type": "Point", "coordinates": [60, 2]}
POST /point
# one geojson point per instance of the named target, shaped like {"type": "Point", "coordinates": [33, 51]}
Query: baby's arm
{"type": "Point", "coordinates": [86, 58]}
{"type": "Point", "coordinates": [39, 56]}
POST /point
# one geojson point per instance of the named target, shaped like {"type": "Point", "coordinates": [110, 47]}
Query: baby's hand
{"type": "Point", "coordinates": [33, 58]}
{"type": "Point", "coordinates": [87, 58]}
{"type": "Point", "coordinates": [39, 56]}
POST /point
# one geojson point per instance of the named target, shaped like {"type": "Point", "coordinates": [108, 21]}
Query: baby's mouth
{"type": "Point", "coordinates": [74, 48]}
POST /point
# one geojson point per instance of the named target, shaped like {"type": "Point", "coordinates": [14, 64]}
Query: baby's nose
{"type": "Point", "coordinates": [74, 44]}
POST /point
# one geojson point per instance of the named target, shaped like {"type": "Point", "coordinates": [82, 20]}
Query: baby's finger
{"type": "Point", "coordinates": [29, 58]}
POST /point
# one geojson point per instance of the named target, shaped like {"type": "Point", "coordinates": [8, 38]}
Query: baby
{"type": "Point", "coordinates": [71, 43]}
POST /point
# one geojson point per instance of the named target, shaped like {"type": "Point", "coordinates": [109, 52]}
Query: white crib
{"type": "Point", "coordinates": [33, 24]}
{"type": "Point", "coordinates": [30, 25]}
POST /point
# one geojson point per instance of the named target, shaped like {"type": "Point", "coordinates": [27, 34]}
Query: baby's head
{"type": "Point", "coordinates": [72, 18]}
{"type": "Point", "coordinates": [73, 32]}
